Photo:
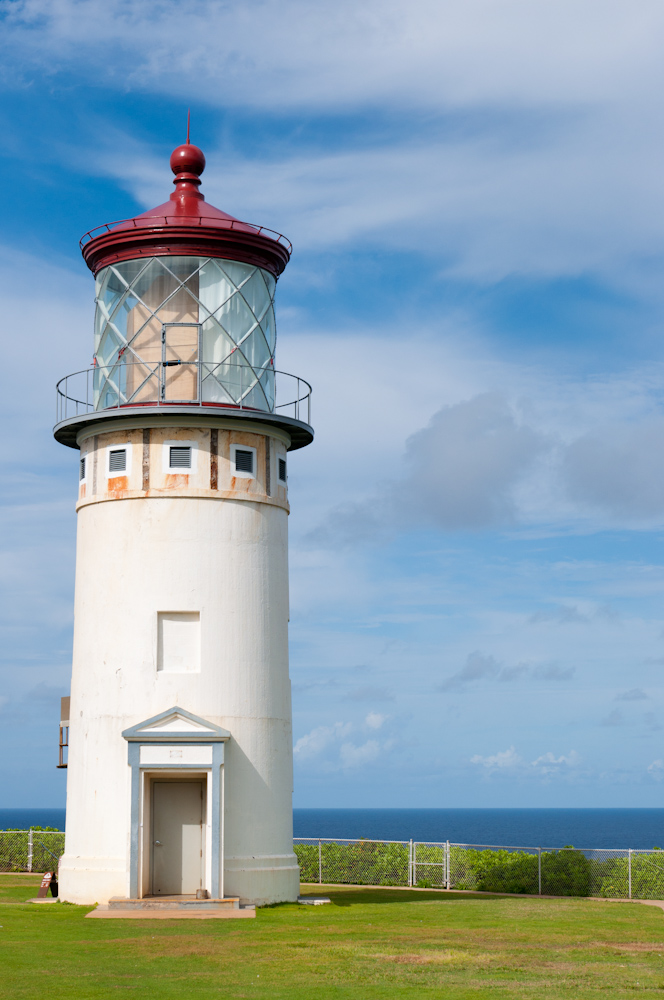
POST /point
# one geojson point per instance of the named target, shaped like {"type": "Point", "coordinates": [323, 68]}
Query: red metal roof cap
{"type": "Point", "coordinates": [186, 225]}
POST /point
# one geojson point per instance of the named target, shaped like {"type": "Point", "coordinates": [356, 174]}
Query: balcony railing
{"type": "Point", "coordinates": [183, 383]}
{"type": "Point", "coordinates": [152, 221]}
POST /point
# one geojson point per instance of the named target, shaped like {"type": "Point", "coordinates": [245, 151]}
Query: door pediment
{"type": "Point", "coordinates": [176, 724]}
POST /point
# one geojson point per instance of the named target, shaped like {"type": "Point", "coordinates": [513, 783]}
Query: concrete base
{"type": "Point", "coordinates": [189, 903]}
{"type": "Point", "coordinates": [105, 913]}
{"type": "Point", "coordinates": [263, 881]}
{"type": "Point", "coordinates": [86, 881]}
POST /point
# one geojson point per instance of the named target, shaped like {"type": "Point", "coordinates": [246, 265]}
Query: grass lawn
{"type": "Point", "coordinates": [369, 943]}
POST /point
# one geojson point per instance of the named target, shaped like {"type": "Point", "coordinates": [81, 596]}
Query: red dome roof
{"type": "Point", "coordinates": [186, 226]}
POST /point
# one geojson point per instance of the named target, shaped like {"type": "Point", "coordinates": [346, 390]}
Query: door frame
{"type": "Point", "coordinates": [175, 744]}
{"type": "Point", "coordinates": [165, 364]}
{"type": "Point", "coordinates": [193, 778]}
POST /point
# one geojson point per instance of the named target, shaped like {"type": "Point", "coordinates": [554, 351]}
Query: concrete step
{"type": "Point", "coordinates": [185, 903]}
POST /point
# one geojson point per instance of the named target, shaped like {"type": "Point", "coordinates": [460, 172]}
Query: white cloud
{"type": "Point", "coordinates": [656, 769]}
{"type": "Point", "coordinates": [329, 748]}
{"type": "Point", "coordinates": [356, 756]}
{"type": "Point", "coordinates": [466, 463]}
{"type": "Point", "coordinates": [535, 150]}
{"type": "Point", "coordinates": [548, 763]}
{"type": "Point", "coordinates": [615, 470]}
{"type": "Point", "coordinates": [487, 207]}
{"type": "Point", "coordinates": [457, 53]}
{"type": "Point", "coordinates": [520, 458]}
{"type": "Point", "coordinates": [503, 760]}
{"type": "Point", "coordinates": [319, 739]}
{"type": "Point", "coordinates": [545, 765]}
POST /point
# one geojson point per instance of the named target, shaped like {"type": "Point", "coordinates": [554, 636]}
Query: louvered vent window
{"type": "Point", "coordinates": [244, 461]}
{"type": "Point", "coordinates": [81, 470]}
{"type": "Point", "coordinates": [117, 460]}
{"type": "Point", "coordinates": [282, 470]}
{"type": "Point", "coordinates": [180, 456]}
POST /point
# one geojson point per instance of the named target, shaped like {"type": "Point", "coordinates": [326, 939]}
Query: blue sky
{"type": "Point", "coordinates": [474, 192]}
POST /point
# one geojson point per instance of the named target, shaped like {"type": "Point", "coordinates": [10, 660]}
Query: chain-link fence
{"type": "Point", "coordinates": [355, 862]}
{"type": "Point", "coordinates": [30, 850]}
{"type": "Point", "coordinates": [564, 871]}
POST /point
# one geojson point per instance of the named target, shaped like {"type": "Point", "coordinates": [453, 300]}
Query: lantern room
{"type": "Point", "coordinates": [184, 313]}
{"type": "Point", "coordinates": [184, 329]}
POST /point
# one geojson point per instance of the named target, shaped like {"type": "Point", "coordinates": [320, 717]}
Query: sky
{"type": "Point", "coordinates": [474, 193]}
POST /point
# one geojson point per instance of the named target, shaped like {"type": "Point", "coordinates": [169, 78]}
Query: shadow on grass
{"type": "Point", "coordinates": [353, 896]}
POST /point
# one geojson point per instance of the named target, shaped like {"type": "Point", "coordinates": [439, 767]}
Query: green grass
{"type": "Point", "coordinates": [368, 944]}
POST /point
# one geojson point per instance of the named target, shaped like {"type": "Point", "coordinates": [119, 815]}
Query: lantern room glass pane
{"type": "Point", "coordinates": [226, 314]}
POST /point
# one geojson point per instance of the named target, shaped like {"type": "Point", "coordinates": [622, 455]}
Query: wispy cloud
{"type": "Point", "coordinates": [509, 760]}
{"type": "Point", "coordinates": [502, 760]}
{"type": "Point", "coordinates": [615, 718]}
{"type": "Point", "coordinates": [480, 666]}
{"type": "Point", "coordinates": [634, 694]}
{"type": "Point", "coordinates": [656, 769]}
{"type": "Point", "coordinates": [369, 693]}
{"type": "Point", "coordinates": [651, 722]}
{"type": "Point", "coordinates": [319, 739]}
{"type": "Point", "coordinates": [343, 746]}
{"type": "Point", "coordinates": [548, 763]}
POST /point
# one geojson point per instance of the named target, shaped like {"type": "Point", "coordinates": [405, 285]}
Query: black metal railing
{"type": "Point", "coordinates": [173, 382]}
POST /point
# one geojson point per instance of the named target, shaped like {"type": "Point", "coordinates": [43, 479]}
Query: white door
{"type": "Point", "coordinates": [177, 837]}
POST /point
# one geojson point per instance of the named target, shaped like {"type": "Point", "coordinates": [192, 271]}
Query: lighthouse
{"type": "Point", "coordinates": [180, 747]}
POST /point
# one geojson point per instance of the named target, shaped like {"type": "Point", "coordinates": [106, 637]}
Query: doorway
{"type": "Point", "coordinates": [178, 821]}
{"type": "Point", "coordinates": [179, 362]}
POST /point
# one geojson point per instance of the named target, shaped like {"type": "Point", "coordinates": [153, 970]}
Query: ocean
{"type": "Point", "coordinates": [584, 828]}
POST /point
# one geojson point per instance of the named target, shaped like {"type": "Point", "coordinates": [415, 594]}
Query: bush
{"type": "Point", "coordinates": [47, 847]}
{"type": "Point", "coordinates": [566, 873]}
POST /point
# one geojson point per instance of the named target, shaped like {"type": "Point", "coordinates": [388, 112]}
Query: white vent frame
{"type": "Point", "coordinates": [194, 667]}
{"type": "Point", "coordinates": [283, 480]}
{"type": "Point", "coordinates": [82, 466]}
{"type": "Point", "coordinates": [118, 446]}
{"type": "Point", "coordinates": [166, 458]}
{"type": "Point", "coordinates": [235, 472]}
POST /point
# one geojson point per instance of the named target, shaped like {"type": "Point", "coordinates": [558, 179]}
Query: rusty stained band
{"type": "Point", "coordinates": [146, 459]}
{"type": "Point", "coordinates": [94, 465]}
{"type": "Point", "coordinates": [268, 467]}
{"type": "Point", "coordinates": [214, 459]}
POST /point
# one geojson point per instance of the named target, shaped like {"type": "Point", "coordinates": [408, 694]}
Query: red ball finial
{"type": "Point", "coordinates": [188, 159]}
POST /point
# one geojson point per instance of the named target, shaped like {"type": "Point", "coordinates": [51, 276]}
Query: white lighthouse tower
{"type": "Point", "coordinates": [180, 749]}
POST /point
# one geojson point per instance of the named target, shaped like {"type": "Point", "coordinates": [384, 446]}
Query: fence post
{"type": "Point", "coordinates": [30, 849]}
{"type": "Point", "coordinates": [320, 864]}
{"type": "Point", "coordinates": [629, 871]}
{"type": "Point", "coordinates": [411, 864]}
{"type": "Point", "coordinates": [539, 871]}
{"type": "Point", "coordinates": [448, 874]}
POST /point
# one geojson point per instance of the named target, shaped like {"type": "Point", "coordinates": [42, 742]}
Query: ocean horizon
{"type": "Point", "coordinates": [583, 828]}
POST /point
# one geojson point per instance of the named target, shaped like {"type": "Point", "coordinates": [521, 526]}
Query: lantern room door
{"type": "Point", "coordinates": [180, 356]}
{"type": "Point", "coordinates": [178, 819]}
